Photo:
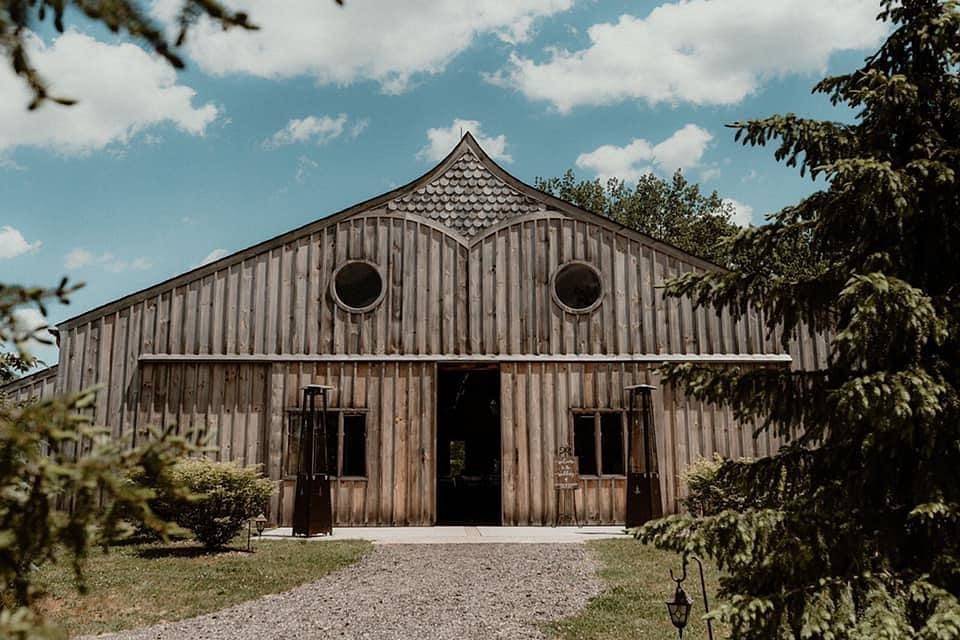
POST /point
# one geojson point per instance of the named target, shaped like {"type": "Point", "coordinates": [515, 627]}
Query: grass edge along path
{"type": "Point", "coordinates": [636, 584]}
{"type": "Point", "coordinates": [141, 585]}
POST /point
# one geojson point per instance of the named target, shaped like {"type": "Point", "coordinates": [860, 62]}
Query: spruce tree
{"type": "Point", "coordinates": [853, 529]}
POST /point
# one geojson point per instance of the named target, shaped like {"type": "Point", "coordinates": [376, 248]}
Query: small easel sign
{"type": "Point", "coordinates": [566, 481]}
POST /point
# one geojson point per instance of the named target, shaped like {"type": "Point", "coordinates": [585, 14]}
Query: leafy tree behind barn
{"type": "Point", "coordinates": [675, 211]}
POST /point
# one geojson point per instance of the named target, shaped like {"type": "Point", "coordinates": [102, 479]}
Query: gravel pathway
{"type": "Point", "coordinates": [416, 592]}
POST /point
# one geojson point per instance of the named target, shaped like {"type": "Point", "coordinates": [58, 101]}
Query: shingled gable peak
{"type": "Point", "coordinates": [465, 193]}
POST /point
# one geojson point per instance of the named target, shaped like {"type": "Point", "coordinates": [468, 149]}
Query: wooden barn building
{"type": "Point", "coordinates": [471, 326]}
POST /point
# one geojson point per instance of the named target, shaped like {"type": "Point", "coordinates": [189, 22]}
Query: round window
{"type": "Point", "coordinates": [357, 286]}
{"type": "Point", "coordinates": [577, 287]}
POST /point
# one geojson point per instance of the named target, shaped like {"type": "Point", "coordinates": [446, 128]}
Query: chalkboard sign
{"type": "Point", "coordinates": [566, 472]}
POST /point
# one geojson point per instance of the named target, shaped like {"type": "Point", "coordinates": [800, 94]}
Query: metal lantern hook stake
{"type": "Point", "coordinates": [679, 607]}
{"type": "Point", "coordinates": [703, 590]}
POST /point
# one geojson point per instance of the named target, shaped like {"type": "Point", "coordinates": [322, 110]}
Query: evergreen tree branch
{"type": "Point", "coordinates": [852, 531]}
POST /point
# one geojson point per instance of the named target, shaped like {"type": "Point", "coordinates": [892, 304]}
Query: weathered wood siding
{"type": "Point", "coordinates": [511, 309]}
{"type": "Point", "coordinates": [36, 386]}
{"type": "Point", "coordinates": [278, 301]}
{"type": "Point", "coordinates": [443, 297]}
{"type": "Point", "coordinates": [537, 399]}
{"type": "Point", "coordinates": [399, 400]}
{"type": "Point", "coordinates": [224, 404]}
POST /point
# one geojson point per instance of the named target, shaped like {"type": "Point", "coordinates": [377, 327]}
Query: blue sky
{"type": "Point", "coordinates": [325, 107]}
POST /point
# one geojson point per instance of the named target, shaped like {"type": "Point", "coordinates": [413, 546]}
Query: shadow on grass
{"type": "Point", "coordinates": [134, 539]}
{"type": "Point", "coordinates": [143, 536]}
{"type": "Point", "coordinates": [186, 551]}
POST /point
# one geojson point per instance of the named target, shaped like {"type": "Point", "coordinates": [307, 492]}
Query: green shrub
{"type": "Point", "coordinates": [705, 496]}
{"type": "Point", "coordinates": [226, 496]}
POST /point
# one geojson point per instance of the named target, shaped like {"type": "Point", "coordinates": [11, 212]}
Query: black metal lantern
{"type": "Point", "coordinates": [261, 523]}
{"type": "Point", "coordinates": [679, 609]}
{"type": "Point", "coordinates": [643, 480]}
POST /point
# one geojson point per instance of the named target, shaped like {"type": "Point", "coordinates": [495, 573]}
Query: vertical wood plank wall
{"type": "Point", "coordinates": [445, 295]}
{"type": "Point", "coordinates": [536, 399]}
{"type": "Point", "coordinates": [400, 484]}
{"type": "Point", "coordinates": [226, 405]}
{"type": "Point", "coordinates": [36, 386]}
{"type": "Point", "coordinates": [245, 414]}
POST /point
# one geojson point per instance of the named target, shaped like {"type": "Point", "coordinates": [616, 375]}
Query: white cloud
{"type": "Point", "coordinates": [6, 162]}
{"type": "Point", "coordinates": [387, 42]}
{"type": "Point", "coordinates": [742, 213]}
{"type": "Point", "coordinates": [29, 321]}
{"type": "Point", "coordinates": [114, 265]}
{"type": "Point", "coordinates": [699, 51]}
{"type": "Point", "coordinates": [79, 258]}
{"type": "Point", "coordinates": [710, 173]}
{"type": "Point", "coordinates": [358, 127]}
{"type": "Point", "coordinates": [682, 150]}
{"type": "Point", "coordinates": [122, 90]}
{"type": "Point", "coordinates": [13, 244]}
{"type": "Point", "coordinates": [213, 256]}
{"type": "Point", "coordinates": [442, 140]}
{"type": "Point", "coordinates": [317, 129]}
{"type": "Point", "coordinates": [305, 166]}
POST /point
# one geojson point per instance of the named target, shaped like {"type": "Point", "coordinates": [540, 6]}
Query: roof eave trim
{"type": "Point", "coordinates": [48, 371]}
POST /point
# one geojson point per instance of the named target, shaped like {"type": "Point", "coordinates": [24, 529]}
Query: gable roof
{"type": "Point", "coordinates": [467, 192]}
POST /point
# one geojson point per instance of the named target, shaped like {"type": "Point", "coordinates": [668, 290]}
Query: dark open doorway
{"type": "Point", "coordinates": [468, 445]}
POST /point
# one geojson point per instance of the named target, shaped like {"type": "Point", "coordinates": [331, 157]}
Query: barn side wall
{"type": "Point", "coordinates": [536, 403]}
{"type": "Point", "coordinates": [244, 408]}
{"type": "Point", "coordinates": [442, 298]}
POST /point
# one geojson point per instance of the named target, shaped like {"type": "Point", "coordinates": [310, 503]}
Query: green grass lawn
{"type": "Point", "coordinates": [143, 584]}
{"type": "Point", "coordinates": [138, 585]}
{"type": "Point", "coordinates": [637, 582]}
